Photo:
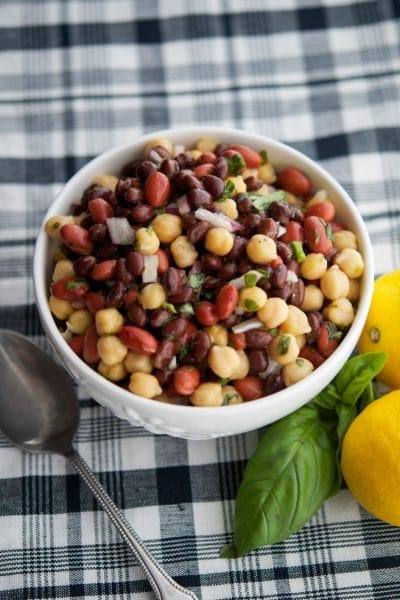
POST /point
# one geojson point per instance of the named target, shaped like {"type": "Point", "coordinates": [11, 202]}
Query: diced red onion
{"type": "Point", "coordinates": [150, 268]}
{"type": "Point", "coordinates": [281, 230]}
{"type": "Point", "coordinates": [215, 219]}
{"type": "Point", "coordinates": [234, 224]}
{"type": "Point", "coordinates": [240, 282]}
{"type": "Point", "coordinates": [273, 368]}
{"type": "Point", "coordinates": [291, 276]}
{"type": "Point", "coordinates": [247, 325]}
{"type": "Point", "coordinates": [183, 205]}
{"type": "Point", "coordinates": [121, 232]}
{"type": "Point", "coordinates": [172, 363]}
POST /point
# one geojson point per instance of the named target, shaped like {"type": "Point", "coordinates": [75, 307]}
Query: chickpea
{"type": "Point", "coordinates": [274, 312]}
{"type": "Point", "coordinates": [296, 322]}
{"type": "Point", "coordinates": [54, 224]}
{"type": "Point", "coordinates": [79, 321]}
{"type": "Point", "coordinates": [284, 348]}
{"type": "Point", "coordinates": [146, 240]}
{"type": "Point", "coordinates": [296, 371]}
{"type": "Point", "coordinates": [301, 340]}
{"type": "Point", "coordinates": [205, 144]}
{"type": "Point", "coordinates": [334, 283]}
{"type": "Point", "coordinates": [261, 249]}
{"type": "Point", "coordinates": [219, 241]}
{"type": "Point", "coordinates": [251, 299]}
{"type": "Point", "coordinates": [320, 196]}
{"type": "Point", "coordinates": [293, 200]}
{"type": "Point", "coordinates": [223, 360]}
{"type": "Point", "coordinates": [62, 309]}
{"type": "Point", "coordinates": [354, 290]}
{"type": "Point", "coordinates": [249, 173]}
{"type": "Point", "coordinates": [228, 207]}
{"type": "Point", "coordinates": [350, 262]}
{"type": "Point", "coordinates": [115, 372]}
{"type": "Point", "coordinates": [207, 394]}
{"type": "Point", "coordinates": [59, 255]}
{"type": "Point", "coordinates": [230, 395]}
{"type": "Point", "coordinates": [135, 361]}
{"type": "Point", "coordinates": [218, 335]}
{"type": "Point", "coordinates": [111, 350]}
{"type": "Point", "coordinates": [167, 227]}
{"type": "Point", "coordinates": [163, 142]}
{"type": "Point", "coordinates": [63, 268]}
{"type": "Point", "coordinates": [340, 312]}
{"type": "Point", "coordinates": [266, 173]}
{"type": "Point", "coordinates": [108, 181]}
{"type": "Point", "coordinates": [108, 320]}
{"type": "Point", "coordinates": [313, 266]}
{"type": "Point", "coordinates": [152, 296]}
{"type": "Point", "coordinates": [313, 298]}
{"type": "Point", "coordinates": [243, 369]}
{"type": "Point", "coordinates": [184, 252]}
{"type": "Point", "coordinates": [344, 239]}
{"type": "Point", "coordinates": [238, 182]}
{"type": "Point", "coordinates": [195, 153]}
{"type": "Point", "coordinates": [144, 384]}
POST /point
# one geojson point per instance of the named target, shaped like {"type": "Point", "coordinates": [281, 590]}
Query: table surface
{"type": "Point", "coordinates": [80, 76]}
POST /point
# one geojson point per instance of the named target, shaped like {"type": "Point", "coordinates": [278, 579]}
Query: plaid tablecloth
{"type": "Point", "coordinates": [79, 76]}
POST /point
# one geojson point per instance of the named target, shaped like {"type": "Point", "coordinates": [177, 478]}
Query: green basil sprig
{"type": "Point", "coordinates": [296, 465]}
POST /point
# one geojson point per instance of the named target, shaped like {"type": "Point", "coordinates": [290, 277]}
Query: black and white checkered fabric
{"type": "Point", "coordinates": [79, 76]}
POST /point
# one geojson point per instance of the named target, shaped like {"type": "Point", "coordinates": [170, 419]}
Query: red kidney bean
{"type": "Point", "coordinates": [129, 298]}
{"type": "Point", "coordinates": [95, 301]}
{"type": "Point", "coordinates": [70, 288]}
{"type": "Point", "coordinates": [135, 263]}
{"type": "Point", "coordinates": [297, 295]}
{"type": "Point", "coordinates": [169, 167]}
{"type": "Point", "coordinates": [165, 352]}
{"type": "Point", "coordinates": [268, 227]}
{"type": "Point", "coordinates": [191, 182]}
{"type": "Point", "coordinates": [214, 185]}
{"type": "Point", "coordinates": [293, 265]}
{"type": "Point", "coordinates": [199, 199]}
{"type": "Point", "coordinates": [294, 232]}
{"type": "Point", "coordinates": [206, 313]}
{"type": "Point", "coordinates": [77, 239]}
{"type": "Point", "coordinates": [173, 280]}
{"type": "Point", "coordinates": [258, 338]}
{"type": "Point", "coordinates": [164, 376]}
{"type": "Point", "coordinates": [84, 265]}
{"type": "Point", "coordinates": [237, 340]}
{"type": "Point", "coordinates": [185, 294]}
{"type": "Point", "coordinates": [107, 251]}
{"type": "Point", "coordinates": [138, 340]}
{"type": "Point", "coordinates": [278, 277]}
{"type": "Point", "coordinates": [203, 169]}
{"type": "Point", "coordinates": [226, 301]}
{"type": "Point", "coordinates": [238, 248]}
{"type": "Point", "coordinates": [121, 272]}
{"type": "Point", "coordinates": [208, 157]}
{"type": "Point", "coordinates": [137, 314]}
{"type": "Point", "coordinates": [157, 189]}
{"type": "Point", "coordinates": [276, 262]}
{"type": "Point", "coordinates": [159, 317]}
{"type": "Point", "coordinates": [129, 169]}
{"type": "Point", "coordinates": [251, 157]}
{"type": "Point", "coordinates": [186, 380]}
{"type": "Point", "coordinates": [145, 169]}
{"type": "Point", "coordinates": [175, 328]}
{"type": "Point", "coordinates": [197, 231]}
{"type": "Point", "coordinates": [228, 271]}
{"type": "Point", "coordinates": [163, 262]}
{"type": "Point", "coordinates": [90, 339]}
{"type": "Point", "coordinates": [323, 210]}
{"type": "Point", "coordinates": [279, 211]}
{"type": "Point", "coordinates": [284, 251]}
{"type": "Point", "coordinates": [211, 262]}
{"type": "Point", "coordinates": [201, 346]}
{"type": "Point", "coordinates": [273, 383]}
{"type": "Point", "coordinates": [76, 344]}
{"type": "Point", "coordinates": [100, 210]}
{"type": "Point", "coordinates": [115, 296]}
{"type": "Point", "coordinates": [244, 204]}
{"type": "Point", "coordinates": [104, 271]}
{"type": "Point", "coordinates": [325, 344]}
{"type": "Point", "coordinates": [311, 354]}
{"type": "Point", "coordinates": [284, 292]}
{"type": "Point", "coordinates": [97, 191]}
{"type": "Point", "coordinates": [250, 223]}
{"type": "Point", "coordinates": [250, 387]}
{"type": "Point", "coordinates": [253, 183]}
{"type": "Point", "coordinates": [315, 233]}
{"type": "Point", "coordinates": [98, 233]}
{"type": "Point", "coordinates": [258, 361]}
{"type": "Point", "coordinates": [294, 181]}
{"type": "Point", "coordinates": [221, 168]}
{"type": "Point", "coordinates": [142, 214]}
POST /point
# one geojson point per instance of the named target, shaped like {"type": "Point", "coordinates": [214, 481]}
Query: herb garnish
{"type": "Point", "coordinates": [71, 285]}
{"type": "Point", "coordinates": [250, 279]}
{"type": "Point", "coordinates": [251, 305]}
{"type": "Point", "coordinates": [228, 398]}
{"type": "Point", "coordinates": [235, 163]}
{"type": "Point", "coordinates": [283, 345]}
{"type": "Point", "coordinates": [264, 157]}
{"type": "Point", "coordinates": [169, 307]}
{"type": "Point", "coordinates": [297, 248]}
{"type": "Point", "coordinates": [228, 189]}
{"type": "Point", "coordinates": [196, 280]}
{"type": "Point", "coordinates": [183, 351]}
{"type": "Point", "coordinates": [159, 211]}
{"type": "Point", "coordinates": [329, 233]}
{"type": "Point", "coordinates": [333, 333]}
{"type": "Point", "coordinates": [265, 276]}
{"type": "Point", "coordinates": [186, 309]}
{"type": "Point", "coordinates": [263, 202]}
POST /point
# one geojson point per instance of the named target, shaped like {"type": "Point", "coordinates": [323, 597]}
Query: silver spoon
{"type": "Point", "coordinates": [39, 412]}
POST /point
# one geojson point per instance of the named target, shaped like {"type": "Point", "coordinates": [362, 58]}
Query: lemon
{"type": "Point", "coordinates": [382, 328]}
{"type": "Point", "coordinates": [370, 458]}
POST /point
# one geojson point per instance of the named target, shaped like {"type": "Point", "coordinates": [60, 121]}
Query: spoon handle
{"type": "Point", "coordinates": [164, 587]}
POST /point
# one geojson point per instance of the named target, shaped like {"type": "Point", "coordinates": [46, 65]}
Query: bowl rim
{"type": "Point", "coordinates": [137, 402]}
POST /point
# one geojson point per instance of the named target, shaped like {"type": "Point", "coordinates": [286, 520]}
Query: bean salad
{"type": "Point", "coordinates": [203, 276]}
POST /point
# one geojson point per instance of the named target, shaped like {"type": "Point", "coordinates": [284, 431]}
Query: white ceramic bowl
{"type": "Point", "coordinates": [187, 421]}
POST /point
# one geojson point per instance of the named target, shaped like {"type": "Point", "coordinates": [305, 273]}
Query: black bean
{"type": "Point", "coordinates": [185, 160]}
{"type": "Point", "coordinates": [145, 169]}
{"type": "Point", "coordinates": [173, 280]}
{"type": "Point", "coordinates": [129, 169]}
{"type": "Point", "coordinates": [284, 251]}
{"type": "Point", "coordinates": [135, 263]}
{"type": "Point", "coordinates": [197, 231]}
{"type": "Point", "coordinates": [97, 191]}
{"type": "Point", "coordinates": [258, 361]}
{"type": "Point", "coordinates": [165, 352]}
{"type": "Point", "coordinates": [98, 233]}
{"type": "Point", "coordinates": [164, 376]}
{"type": "Point", "coordinates": [124, 185]}
{"type": "Point", "coordinates": [244, 266]}
{"type": "Point", "coordinates": [175, 327]}
{"type": "Point", "coordinates": [228, 270]}
{"type": "Point", "coordinates": [122, 273]}
{"type": "Point", "coordinates": [178, 179]}
{"type": "Point", "coordinates": [273, 383]}
{"type": "Point", "coordinates": [221, 168]}
{"type": "Point", "coordinates": [137, 315]}
{"type": "Point", "coordinates": [278, 276]}
{"type": "Point", "coordinates": [121, 211]}
{"type": "Point", "coordinates": [238, 248]}
{"type": "Point", "coordinates": [190, 182]}
{"type": "Point", "coordinates": [258, 338]}
{"type": "Point", "coordinates": [214, 185]}
{"type": "Point", "coordinates": [169, 167]}
{"type": "Point", "coordinates": [210, 283]}
{"type": "Point", "coordinates": [253, 183]}
{"type": "Point", "coordinates": [284, 292]}
{"type": "Point", "coordinates": [314, 319]}
{"type": "Point", "coordinates": [268, 227]}
{"type": "Point", "coordinates": [211, 262]}
{"type": "Point", "coordinates": [157, 154]}
{"type": "Point", "coordinates": [188, 221]}
{"type": "Point", "coordinates": [84, 265]}
{"type": "Point", "coordinates": [186, 294]}
{"type": "Point", "coordinates": [107, 251]}
{"type": "Point", "coordinates": [201, 346]}
{"type": "Point", "coordinates": [115, 296]}
{"type": "Point", "coordinates": [199, 199]}
{"type": "Point", "coordinates": [297, 214]}
{"type": "Point", "coordinates": [159, 317]}
{"type": "Point", "coordinates": [244, 205]}
{"type": "Point", "coordinates": [142, 214]}
{"type": "Point", "coordinates": [133, 196]}
{"type": "Point", "coordinates": [297, 295]}
{"type": "Point", "coordinates": [87, 222]}
{"type": "Point", "coordinates": [279, 211]}
{"type": "Point", "coordinates": [293, 265]}
{"type": "Point", "coordinates": [249, 223]}
{"type": "Point", "coordinates": [231, 321]}
{"type": "Point", "coordinates": [220, 149]}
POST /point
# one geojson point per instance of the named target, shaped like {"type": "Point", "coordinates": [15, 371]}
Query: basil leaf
{"type": "Point", "coordinates": [327, 399]}
{"type": "Point", "coordinates": [235, 163]}
{"type": "Point", "coordinates": [356, 375]}
{"type": "Point", "coordinates": [263, 202]}
{"type": "Point", "coordinates": [285, 482]}
{"type": "Point", "coordinates": [368, 396]}
{"type": "Point", "coordinates": [264, 157]}
{"type": "Point", "coordinates": [196, 280]}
